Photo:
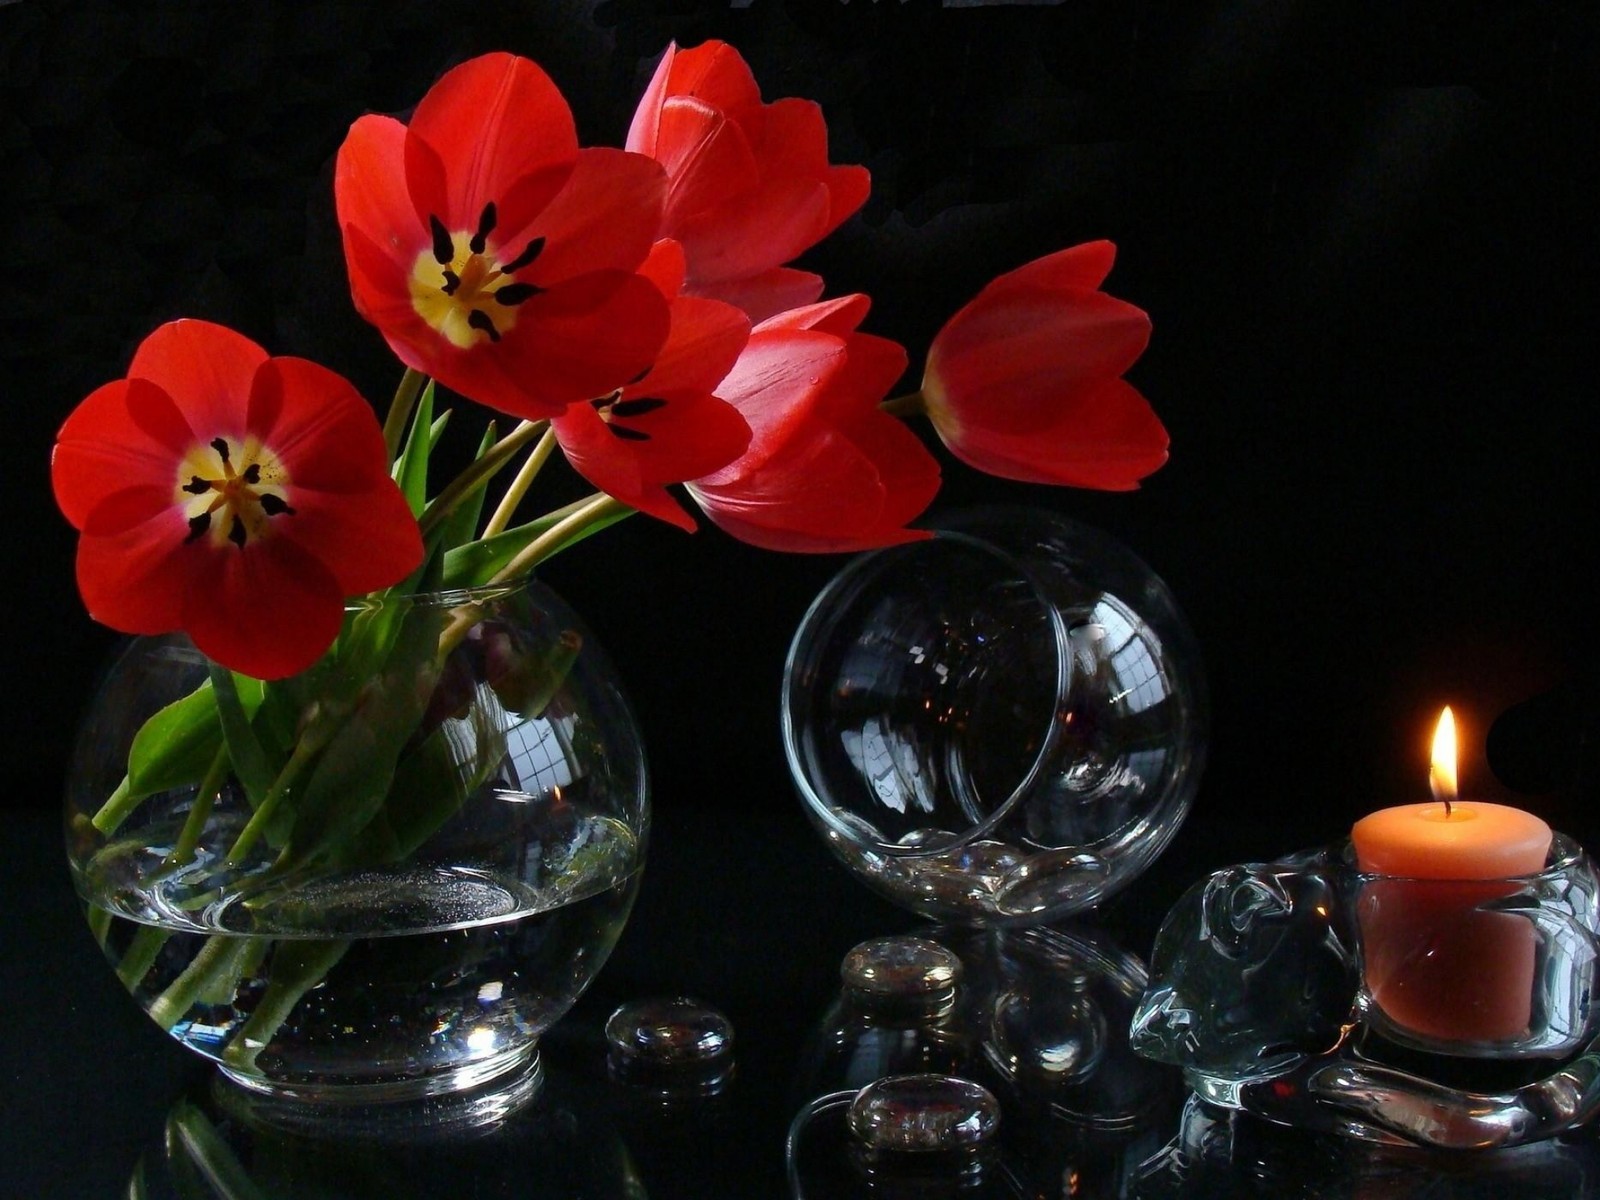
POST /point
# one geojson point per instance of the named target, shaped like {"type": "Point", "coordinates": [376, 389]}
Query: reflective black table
{"type": "Point", "coordinates": [748, 914]}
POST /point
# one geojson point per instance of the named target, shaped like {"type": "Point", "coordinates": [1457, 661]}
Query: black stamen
{"type": "Point", "coordinates": [636, 408]}
{"type": "Point", "coordinates": [531, 252]}
{"type": "Point", "coordinates": [485, 227]}
{"type": "Point", "coordinates": [252, 473]}
{"type": "Point", "coordinates": [236, 533]}
{"type": "Point", "coordinates": [451, 282]}
{"type": "Point", "coordinates": [197, 527]}
{"type": "Point", "coordinates": [196, 486]}
{"type": "Point", "coordinates": [220, 445]}
{"type": "Point", "coordinates": [481, 320]}
{"type": "Point", "coordinates": [628, 435]}
{"type": "Point", "coordinates": [601, 403]}
{"type": "Point", "coordinates": [516, 293]}
{"type": "Point", "coordinates": [274, 506]}
{"type": "Point", "coordinates": [444, 250]}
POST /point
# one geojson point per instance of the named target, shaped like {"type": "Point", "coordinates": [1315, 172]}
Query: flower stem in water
{"type": "Point", "coordinates": [297, 967]}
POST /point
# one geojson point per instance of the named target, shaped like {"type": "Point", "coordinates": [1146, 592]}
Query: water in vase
{"type": "Point", "coordinates": [410, 978]}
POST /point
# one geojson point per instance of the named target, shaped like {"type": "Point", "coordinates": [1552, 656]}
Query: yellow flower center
{"type": "Point", "coordinates": [230, 491]}
{"type": "Point", "coordinates": [460, 287]}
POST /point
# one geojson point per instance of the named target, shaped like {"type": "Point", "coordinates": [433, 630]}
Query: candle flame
{"type": "Point", "coordinates": [1442, 772]}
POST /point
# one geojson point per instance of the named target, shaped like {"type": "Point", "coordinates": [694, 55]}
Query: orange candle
{"type": "Point", "coordinates": [1435, 963]}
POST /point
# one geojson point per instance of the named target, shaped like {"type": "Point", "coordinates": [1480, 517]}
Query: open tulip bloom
{"type": "Point", "coordinates": [633, 308]}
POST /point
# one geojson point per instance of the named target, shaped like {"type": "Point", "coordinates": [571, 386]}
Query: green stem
{"type": "Point", "coordinates": [405, 399]}
{"type": "Point", "coordinates": [519, 486]}
{"type": "Point", "coordinates": [909, 405]}
{"type": "Point", "coordinates": [116, 809]}
{"type": "Point", "coordinates": [304, 751]}
{"type": "Point", "coordinates": [140, 955]}
{"type": "Point", "coordinates": [478, 474]}
{"type": "Point", "coordinates": [297, 967]}
{"type": "Point", "coordinates": [194, 824]}
{"type": "Point", "coordinates": [215, 958]}
{"type": "Point", "coordinates": [588, 512]}
{"type": "Point", "coordinates": [99, 924]}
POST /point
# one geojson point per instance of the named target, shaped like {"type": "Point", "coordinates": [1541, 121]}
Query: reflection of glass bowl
{"type": "Point", "coordinates": [1004, 723]}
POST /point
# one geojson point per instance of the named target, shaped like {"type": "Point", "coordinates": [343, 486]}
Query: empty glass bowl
{"type": "Point", "coordinates": [1004, 723]}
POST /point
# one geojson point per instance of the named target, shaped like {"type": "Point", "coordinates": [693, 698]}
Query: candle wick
{"type": "Point", "coordinates": [1441, 792]}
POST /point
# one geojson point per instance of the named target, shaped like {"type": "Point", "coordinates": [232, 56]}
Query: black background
{"type": "Point", "coordinates": [1365, 233]}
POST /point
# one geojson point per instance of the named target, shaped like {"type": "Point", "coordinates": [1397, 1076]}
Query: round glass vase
{"type": "Point", "coordinates": [1002, 724]}
{"type": "Point", "coordinates": [383, 878]}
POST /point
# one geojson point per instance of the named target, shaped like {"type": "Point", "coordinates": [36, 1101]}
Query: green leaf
{"type": "Point", "coordinates": [476, 563]}
{"type": "Point", "coordinates": [352, 777]}
{"type": "Point", "coordinates": [431, 783]}
{"type": "Point", "coordinates": [250, 765]}
{"type": "Point", "coordinates": [461, 524]}
{"type": "Point", "coordinates": [411, 467]}
{"type": "Point", "coordinates": [176, 745]}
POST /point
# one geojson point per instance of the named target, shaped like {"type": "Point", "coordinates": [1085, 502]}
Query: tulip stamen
{"type": "Point", "coordinates": [245, 499]}
{"type": "Point", "coordinates": [614, 406]}
{"type": "Point", "coordinates": [460, 287]}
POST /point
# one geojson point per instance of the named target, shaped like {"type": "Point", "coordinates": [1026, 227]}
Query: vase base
{"type": "Point", "coordinates": [481, 1093]}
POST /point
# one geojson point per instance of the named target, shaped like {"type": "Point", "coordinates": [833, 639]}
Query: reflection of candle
{"type": "Point", "coordinates": [1434, 962]}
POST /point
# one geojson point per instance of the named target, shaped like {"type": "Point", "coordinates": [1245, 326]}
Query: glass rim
{"type": "Point", "coordinates": [454, 597]}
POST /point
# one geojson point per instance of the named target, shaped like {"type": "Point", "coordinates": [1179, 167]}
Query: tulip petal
{"type": "Point", "coordinates": [1082, 267]}
{"type": "Point", "coordinates": [319, 425]}
{"type": "Point", "coordinates": [605, 218]}
{"type": "Point", "coordinates": [770, 225]}
{"type": "Point", "coordinates": [706, 157]}
{"type": "Point", "coordinates": [122, 510]}
{"type": "Point", "coordinates": [776, 386]}
{"type": "Point", "coordinates": [101, 450]}
{"type": "Point", "coordinates": [1011, 350]}
{"type": "Point", "coordinates": [366, 539]}
{"type": "Point", "coordinates": [840, 316]}
{"type": "Point", "coordinates": [493, 130]}
{"type": "Point", "coordinates": [826, 471]}
{"type": "Point", "coordinates": [137, 579]}
{"type": "Point", "coordinates": [665, 267]}
{"type": "Point", "coordinates": [369, 190]}
{"type": "Point", "coordinates": [768, 294]}
{"type": "Point", "coordinates": [848, 189]}
{"type": "Point", "coordinates": [716, 73]}
{"type": "Point", "coordinates": [1106, 437]}
{"type": "Point", "coordinates": [268, 610]}
{"type": "Point", "coordinates": [750, 183]}
{"type": "Point", "coordinates": [599, 456]}
{"type": "Point", "coordinates": [579, 340]}
{"type": "Point", "coordinates": [704, 343]}
{"type": "Point", "coordinates": [204, 368]}
{"type": "Point", "coordinates": [644, 129]}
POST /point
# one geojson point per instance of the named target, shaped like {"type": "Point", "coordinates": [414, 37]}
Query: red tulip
{"type": "Point", "coordinates": [236, 497]}
{"type": "Point", "coordinates": [751, 186]}
{"type": "Point", "coordinates": [826, 469]}
{"type": "Point", "coordinates": [491, 252]}
{"type": "Point", "coordinates": [1025, 381]}
{"type": "Point", "coordinates": [666, 426]}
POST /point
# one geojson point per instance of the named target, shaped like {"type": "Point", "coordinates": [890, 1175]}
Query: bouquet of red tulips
{"type": "Point", "coordinates": [629, 307]}
{"type": "Point", "coordinates": [632, 308]}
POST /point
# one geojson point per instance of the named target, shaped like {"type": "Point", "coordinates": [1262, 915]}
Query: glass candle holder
{"type": "Point", "coordinates": [1500, 968]}
{"type": "Point", "coordinates": [1445, 1013]}
{"type": "Point", "coordinates": [1002, 724]}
